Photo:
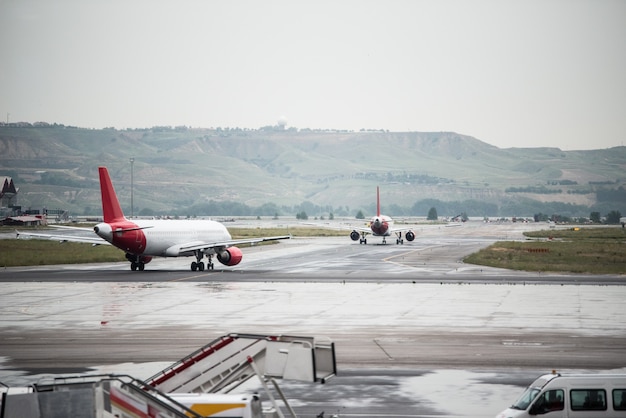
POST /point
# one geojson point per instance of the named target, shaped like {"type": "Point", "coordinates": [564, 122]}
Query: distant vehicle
{"type": "Point", "coordinates": [142, 240]}
{"type": "Point", "coordinates": [381, 226]}
{"type": "Point", "coordinates": [564, 396]}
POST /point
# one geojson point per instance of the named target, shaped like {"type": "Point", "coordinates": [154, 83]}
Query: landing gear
{"type": "Point", "coordinates": [136, 262]}
{"type": "Point", "coordinates": [356, 235]}
{"type": "Point", "coordinates": [137, 265]}
{"type": "Point", "coordinates": [399, 239]}
{"type": "Point", "coordinates": [198, 264]}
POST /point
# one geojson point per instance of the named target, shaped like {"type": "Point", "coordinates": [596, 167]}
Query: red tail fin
{"type": "Point", "coordinates": [111, 208]}
{"type": "Point", "coordinates": [377, 202]}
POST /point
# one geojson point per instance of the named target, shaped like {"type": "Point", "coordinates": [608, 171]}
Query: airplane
{"type": "Point", "coordinates": [142, 240]}
{"type": "Point", "coordinates": [381, 226]}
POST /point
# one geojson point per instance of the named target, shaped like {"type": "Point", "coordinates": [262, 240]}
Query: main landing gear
{"type": "Point", "coordinates": [409, 235]}
{"type": "Point", "coordinates": [136, 262]}
{"type": "Point", "coordinates": [355, 235]}
{"type": "Point", "coordinates": [198, 264]}
{"type": "Point", "coordinates": [137, 265]}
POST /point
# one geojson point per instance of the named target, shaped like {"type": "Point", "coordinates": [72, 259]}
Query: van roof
{"type": "Point", "coordinates": [543, 380]}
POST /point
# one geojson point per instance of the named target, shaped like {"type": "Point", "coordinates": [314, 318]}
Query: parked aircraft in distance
{"type": "Point", "coordinates": [381, 226]}
{"type": "Point", "coordinates": [142, 239]}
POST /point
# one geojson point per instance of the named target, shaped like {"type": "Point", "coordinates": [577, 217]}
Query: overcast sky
{"type": "Point", "coordinates": [510, 73]}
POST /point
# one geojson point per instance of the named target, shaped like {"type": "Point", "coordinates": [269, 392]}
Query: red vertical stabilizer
{"type": "Point", "coordinates": [377, 202]}
{"type": "Point", "coordinates": [111, 208]}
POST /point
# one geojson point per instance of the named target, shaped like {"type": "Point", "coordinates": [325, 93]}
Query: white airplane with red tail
{"type": "Point", "coordinates": [381, 226]}
{"type": "Point", "coordinates": [142, 240]}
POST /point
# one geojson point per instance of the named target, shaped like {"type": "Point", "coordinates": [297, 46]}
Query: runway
{"type": "Point", "coordinates": [413, 326]}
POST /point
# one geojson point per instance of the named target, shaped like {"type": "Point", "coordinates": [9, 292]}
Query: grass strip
{"type": "Point", "coordinates": [35, 252]}
{"type": "Point", "coordinates": [576, 250]}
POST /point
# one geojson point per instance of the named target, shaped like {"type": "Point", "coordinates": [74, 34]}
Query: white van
{"type": "Point", "coordinates": [570, 396]}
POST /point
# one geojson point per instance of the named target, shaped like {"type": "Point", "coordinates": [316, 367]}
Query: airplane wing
{"type": "Point", "coordinates": [182, 248]}
{"type": "Point", "coordinates": [206, 245]}
{"type": "Point", "coordinates": [363, 229]}
{"type": "Point", "coordinates": [403, 229]}
{"type": "Point", "coordinates": [71, 228]}
{"type": "Point", "coordinates": [63, 238]}
{"type": "Point", "coordinates": [341, 226]}
{"type": "Point", "coordinates": [368, 230]}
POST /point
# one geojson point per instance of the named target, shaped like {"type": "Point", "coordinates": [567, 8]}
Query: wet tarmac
{"type": "Point", "coordinates": [417, 332]}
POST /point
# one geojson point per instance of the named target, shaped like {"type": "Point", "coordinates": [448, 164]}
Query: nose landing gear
{"type": "Point", "coordinates": [136, 262]}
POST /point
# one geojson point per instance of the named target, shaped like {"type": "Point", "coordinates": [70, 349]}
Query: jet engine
{"type": "Point", "coordinates": [354, 235]}
{"type": "Point", "coordinates": [410, 235]}
{"type": "Point", "coordinates": [230, 256]}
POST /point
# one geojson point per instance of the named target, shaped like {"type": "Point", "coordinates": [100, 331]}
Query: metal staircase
{"type": "Point", "coordinates": [226, 362]}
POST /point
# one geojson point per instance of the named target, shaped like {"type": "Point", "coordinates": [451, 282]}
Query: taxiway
{"type": "Point", "coordinates": [414, 327]}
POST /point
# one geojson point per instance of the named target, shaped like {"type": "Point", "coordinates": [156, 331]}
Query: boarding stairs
{"type": "Point", "coordinates": [228, 361]}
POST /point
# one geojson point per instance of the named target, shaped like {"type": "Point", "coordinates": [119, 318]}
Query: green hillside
{"type": "Point", "coordinates": [187, 171]}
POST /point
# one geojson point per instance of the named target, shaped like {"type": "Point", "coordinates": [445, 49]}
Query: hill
{"type": "Point", "coordinates": [188, 171]}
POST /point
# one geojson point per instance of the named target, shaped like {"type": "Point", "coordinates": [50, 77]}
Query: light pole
{"type": "Point", "coordinates": [132, 206]}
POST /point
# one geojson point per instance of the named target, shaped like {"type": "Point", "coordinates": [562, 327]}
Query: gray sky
{"type": "Point", "coordinates": [512, 73]}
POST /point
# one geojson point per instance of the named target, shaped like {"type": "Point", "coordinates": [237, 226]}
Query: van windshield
{"type": "Point", "coordinates": [526, 399]}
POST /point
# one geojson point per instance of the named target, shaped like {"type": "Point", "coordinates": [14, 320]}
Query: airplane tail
{"type": "Point", "coordinates": [111, 208]}
{"type": "Point", "coordinates": [377, 202]}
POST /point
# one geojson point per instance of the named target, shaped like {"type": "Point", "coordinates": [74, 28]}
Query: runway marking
{"type": "Point", "coordinates": [398, 263]}
{"type": "Point", "coordinates": [382, 349]}
{"type": "Point", "coordinates": [182, 279]}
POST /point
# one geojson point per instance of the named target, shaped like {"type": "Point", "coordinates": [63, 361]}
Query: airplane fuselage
{"type": "Point", "coordinates": [161, 238]}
